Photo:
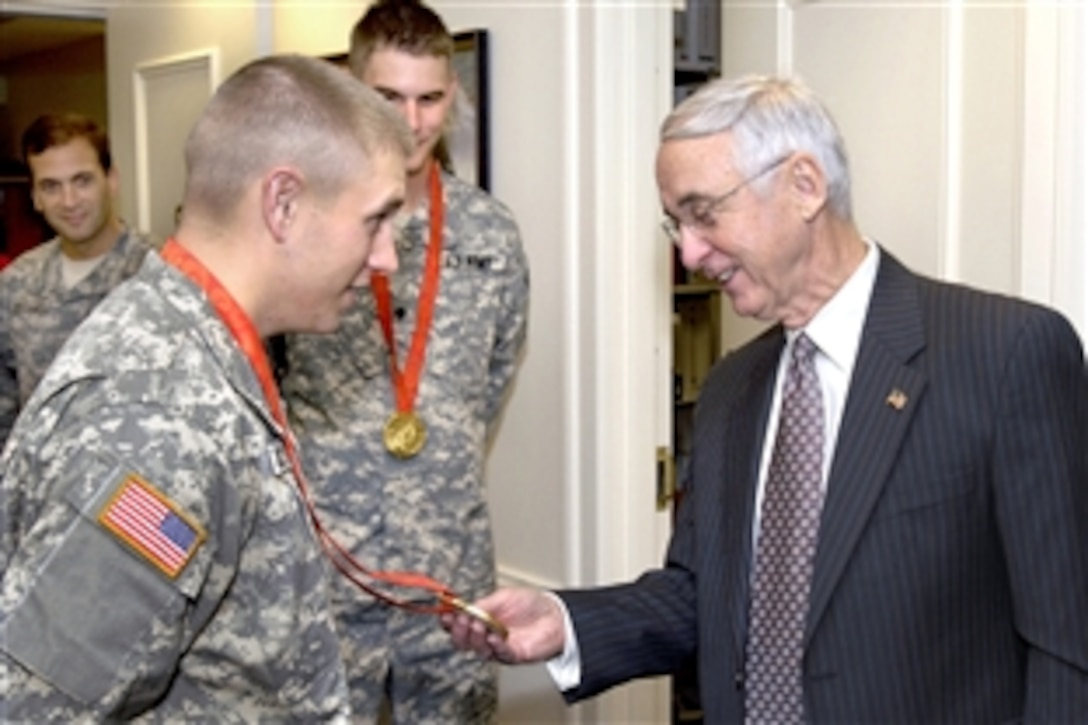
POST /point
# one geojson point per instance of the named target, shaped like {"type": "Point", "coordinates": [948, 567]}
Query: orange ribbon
{"type": "Point", "coordinates": [246, 336]}
{"type": "Point", "coordinates": [406, 380]}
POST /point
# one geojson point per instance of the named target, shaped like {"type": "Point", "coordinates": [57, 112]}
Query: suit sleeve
{"type": "Point", "coordinates": [641, 629]}
{"type": "Point", "coordinates": [1041, 472]}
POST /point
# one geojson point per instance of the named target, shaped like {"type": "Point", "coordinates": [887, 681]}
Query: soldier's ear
{"type": "Point", "coordinates": [281, 190]}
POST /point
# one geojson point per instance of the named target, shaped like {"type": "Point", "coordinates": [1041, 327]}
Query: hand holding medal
{"type": "Point", "coordinates": [457, 604]}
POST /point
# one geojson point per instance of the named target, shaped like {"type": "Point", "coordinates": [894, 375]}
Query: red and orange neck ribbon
{"type": "Point", "coordinates": [245, 334]}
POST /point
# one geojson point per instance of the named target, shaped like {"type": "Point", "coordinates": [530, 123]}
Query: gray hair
{"type": "Point", "coordinates": [287, 110]}
{"type": "Point", "coordinates": [769, 119]}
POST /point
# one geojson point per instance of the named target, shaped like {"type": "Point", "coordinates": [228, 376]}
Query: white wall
{"type": "Point", "coordinates": [960, 121]}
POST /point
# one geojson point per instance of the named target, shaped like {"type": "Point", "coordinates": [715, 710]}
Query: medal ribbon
{"type": "Point", "coordinates": [406, 379]}
{"type": "Point", "coordinates": [245, 335]}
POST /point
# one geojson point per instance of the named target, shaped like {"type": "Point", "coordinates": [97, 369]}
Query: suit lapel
{"type": "Point", "coordinates": [884, 393]}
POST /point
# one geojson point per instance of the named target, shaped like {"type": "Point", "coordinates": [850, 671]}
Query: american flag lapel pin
{"type": "Point", "coordinates": [896, 399]}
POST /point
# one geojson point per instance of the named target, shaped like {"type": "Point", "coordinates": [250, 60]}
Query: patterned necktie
{"type": "Point", "coordinates": [789, 523]}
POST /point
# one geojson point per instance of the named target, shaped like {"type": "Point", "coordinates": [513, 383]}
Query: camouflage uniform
{"type": "Point", "coordinates": [428, 513]}
{"type": "Point", "coordinates": [38, 313]}
{"type": "Point", "coordinates": [153, 384]}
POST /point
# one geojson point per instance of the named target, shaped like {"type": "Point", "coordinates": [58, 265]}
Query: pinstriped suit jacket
{"type": "Point", "coordinates": [951, 577]}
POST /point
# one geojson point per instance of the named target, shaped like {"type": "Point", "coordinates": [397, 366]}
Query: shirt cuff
{"type": "Point", "coordinates": [566, 668]}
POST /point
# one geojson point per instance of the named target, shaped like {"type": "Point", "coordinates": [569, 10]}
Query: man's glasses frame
{"type": "Point", "coordinates": [705, 217]}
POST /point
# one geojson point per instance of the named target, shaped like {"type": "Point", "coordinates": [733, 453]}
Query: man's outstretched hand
{"type": "Point", "coordinates": [533, 619]}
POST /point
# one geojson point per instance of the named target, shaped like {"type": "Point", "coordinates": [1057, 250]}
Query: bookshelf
{"type": "Point", "coordinates": [696, 336]}
{"type": "Point", "coordinates": [696, 346]}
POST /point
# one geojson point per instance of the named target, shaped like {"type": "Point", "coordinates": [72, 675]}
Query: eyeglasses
{"type": "Point", "coordinates": [702, 217]}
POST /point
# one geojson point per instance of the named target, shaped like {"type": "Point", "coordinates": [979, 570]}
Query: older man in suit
{"type": "Point", "coordinates": [887, 517]}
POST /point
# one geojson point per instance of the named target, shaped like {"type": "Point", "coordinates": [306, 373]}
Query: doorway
{"type": "Point", "coordinates": [49, 62]}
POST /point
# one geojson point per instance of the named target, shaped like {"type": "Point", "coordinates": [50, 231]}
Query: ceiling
{"type": "Point", "coordinates": [26, 34]}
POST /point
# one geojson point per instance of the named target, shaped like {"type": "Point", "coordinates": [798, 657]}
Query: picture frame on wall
{"type": "Point", "coordinates": [469, 134]}
{"type": "Point", "coordinates": [465, 149]}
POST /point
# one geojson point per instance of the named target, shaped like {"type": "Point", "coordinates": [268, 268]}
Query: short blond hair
{"type": "Point", "coordinates": [286, 110]}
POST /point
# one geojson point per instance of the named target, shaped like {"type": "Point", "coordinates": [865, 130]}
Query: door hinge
{"type": "Point", "coordinates": [666, 477]}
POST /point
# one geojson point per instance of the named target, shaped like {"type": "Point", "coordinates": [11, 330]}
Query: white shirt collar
{"type": "Point", "coordinates": [836, 328]}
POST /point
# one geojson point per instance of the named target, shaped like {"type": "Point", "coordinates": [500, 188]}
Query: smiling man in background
{"type": "Point", "coordinates": [50, 289]}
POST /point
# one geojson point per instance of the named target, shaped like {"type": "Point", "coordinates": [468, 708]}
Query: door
{"type": "Point", "coordinates": [163, 62]}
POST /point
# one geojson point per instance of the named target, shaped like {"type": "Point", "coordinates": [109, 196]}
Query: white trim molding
{"type": "Point", "coordinates": [511, 577]}
{"type": "Point", "coordinates": [70, 10]}
{"type": "Point", "coordinates": [619, 73]}
{"type": "Point", "coordinates": [573, 318]}
{"type": "Point", "coordinates": [949, 242]}
{"type": "Point", "coordinates": [205, 63]}
{"type": "Point", "coordinates": [784, 46]}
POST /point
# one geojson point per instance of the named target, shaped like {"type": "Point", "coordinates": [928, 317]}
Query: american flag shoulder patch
{"type": "Point", "coordinates": [152, 525]}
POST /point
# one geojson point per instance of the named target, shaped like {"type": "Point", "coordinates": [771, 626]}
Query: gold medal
{"type": "Point", "coordinates": [478, 614]}
{"type": "Point", "coordinates": [404, 434]}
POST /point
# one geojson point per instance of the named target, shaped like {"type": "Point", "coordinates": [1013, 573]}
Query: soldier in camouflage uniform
{"type": "Point", "coordinates": [50, 289]}
{"type": "Point", "coordinates": [427, 513]}
{"type": "Point", "coordinates": [157, 555]}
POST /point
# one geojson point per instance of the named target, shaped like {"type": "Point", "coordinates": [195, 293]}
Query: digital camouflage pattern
{"type": "Point", "coordinates": [428, 513]}
{"type": "Point", "coordinates": [154, 384]}
{"type": "Point", "coordinates": [38, 313]}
